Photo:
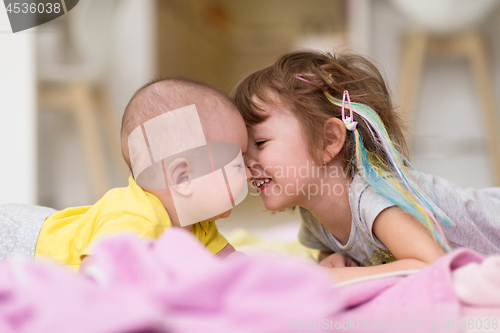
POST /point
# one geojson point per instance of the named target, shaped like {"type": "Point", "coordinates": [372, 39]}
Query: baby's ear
{"type": "Point", "coordinates": [178, 176]}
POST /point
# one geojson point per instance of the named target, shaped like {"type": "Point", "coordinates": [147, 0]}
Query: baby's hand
{"type": "Point", "coordinates": [225, 252]}
{"type": "Point", "coordinates": [337, 260]}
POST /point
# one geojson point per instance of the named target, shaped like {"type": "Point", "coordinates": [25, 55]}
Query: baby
{"type": "Point", "coordinates": [183, 140]}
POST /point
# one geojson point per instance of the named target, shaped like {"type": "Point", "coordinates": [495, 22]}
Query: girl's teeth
{"type": "Point", "coordinates": [262, 182]}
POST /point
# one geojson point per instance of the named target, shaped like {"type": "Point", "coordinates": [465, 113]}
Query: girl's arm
{"type": "Point", "coordinates": [408, 240]}
{"type": "Point", "coordinates": [405, 236]}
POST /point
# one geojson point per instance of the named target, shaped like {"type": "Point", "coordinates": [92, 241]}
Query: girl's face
{"type": "Point", "coordinates": [277, 155]}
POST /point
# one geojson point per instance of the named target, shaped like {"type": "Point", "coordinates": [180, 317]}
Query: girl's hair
{"type": "Point", "coordinates": [311, 85]}
{"type": "Point", "coordinates": [308, 103]}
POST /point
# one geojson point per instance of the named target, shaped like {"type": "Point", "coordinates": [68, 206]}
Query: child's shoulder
{"type": "Point", "coordinates": [129, 198]}
{"type": "Point", "coordinates": [440, 190]}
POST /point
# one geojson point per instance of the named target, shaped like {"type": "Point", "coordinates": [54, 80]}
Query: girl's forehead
{"type": "Point", "coordinates": [269, 99]}
{"type": "Point", "coordinates": [271, 106]}
{"type": "Point", "coordinates": [278, 118]}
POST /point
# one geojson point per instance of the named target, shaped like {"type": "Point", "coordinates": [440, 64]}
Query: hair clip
{"type": "Point", "coordinates": [349, 122]}
{"type": "Point", "coordinates": [313, 79]}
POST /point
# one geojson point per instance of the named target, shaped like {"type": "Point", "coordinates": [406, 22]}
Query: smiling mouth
{"type": "Point", "coordinates": [259, 183]}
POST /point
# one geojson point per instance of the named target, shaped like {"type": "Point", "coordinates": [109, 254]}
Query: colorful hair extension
{"type": "Point", "coordinates": [392, 181]}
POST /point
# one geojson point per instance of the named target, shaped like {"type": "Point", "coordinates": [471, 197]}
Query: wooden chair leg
{"type": "Point", "coordinates": [89, 132]}
{"type": "Point", "coordinates": [481, 71]}
{"type": "Point", "coordinates": [411, 70]}
{"type": "Point", "coordinates": [112, 130]}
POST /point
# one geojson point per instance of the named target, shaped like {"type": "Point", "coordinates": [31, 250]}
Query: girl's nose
{"type": "Point", "coordinates": [253, 170]}
{"type": "Point", "coordinates": [248, 174]}
{"type": "Point", "coordinates": [249, 162]}
{"type": "Point", "coordinates": [248, 159]}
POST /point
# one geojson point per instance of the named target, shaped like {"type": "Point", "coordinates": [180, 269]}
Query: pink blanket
{"type": "Point", "coordinates": [174, 285]}
{"type": "Point", "coordinates": [424, 301]}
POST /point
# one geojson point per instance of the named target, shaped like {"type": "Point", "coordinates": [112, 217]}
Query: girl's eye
{"type": "Point", "coordinates": [260, 143]}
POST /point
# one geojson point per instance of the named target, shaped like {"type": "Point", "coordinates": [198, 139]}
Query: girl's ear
{"type": "Point", "coordinates": [335, 134]}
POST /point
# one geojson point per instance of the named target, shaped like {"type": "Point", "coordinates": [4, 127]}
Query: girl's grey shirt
{"type": "Point", "coordinates": [475, 214]}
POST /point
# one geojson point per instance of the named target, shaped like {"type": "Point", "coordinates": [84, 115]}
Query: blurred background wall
{"type": "Point", "coordinates": [449, 130]}
{"type": "Point", "coordinates": [18, 151]}
{"type": "Point", "coordinates": [220, 41]}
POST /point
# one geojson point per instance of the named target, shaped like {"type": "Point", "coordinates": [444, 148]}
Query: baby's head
{"type": "Point", "coordinates": [183, 141]}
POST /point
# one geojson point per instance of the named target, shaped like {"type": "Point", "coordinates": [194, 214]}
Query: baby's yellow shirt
{"type": "Point", "coordinates": [68, 235]}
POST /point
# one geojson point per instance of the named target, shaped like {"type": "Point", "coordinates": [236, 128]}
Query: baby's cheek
{"type": "Point", "coordinates": [237, 180]}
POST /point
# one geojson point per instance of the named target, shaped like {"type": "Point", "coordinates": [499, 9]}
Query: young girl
{"type": "Point", "coordinates": [324, 136]}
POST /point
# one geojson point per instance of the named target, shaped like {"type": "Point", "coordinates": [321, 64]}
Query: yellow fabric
{"type": "Point", "coordinates": [68, 235]}
{"type": "Point", "coordinates": [245, 241]}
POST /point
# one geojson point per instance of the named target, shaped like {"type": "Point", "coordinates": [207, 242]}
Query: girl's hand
{"type": "Point", "coordinates": [337, 260]}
